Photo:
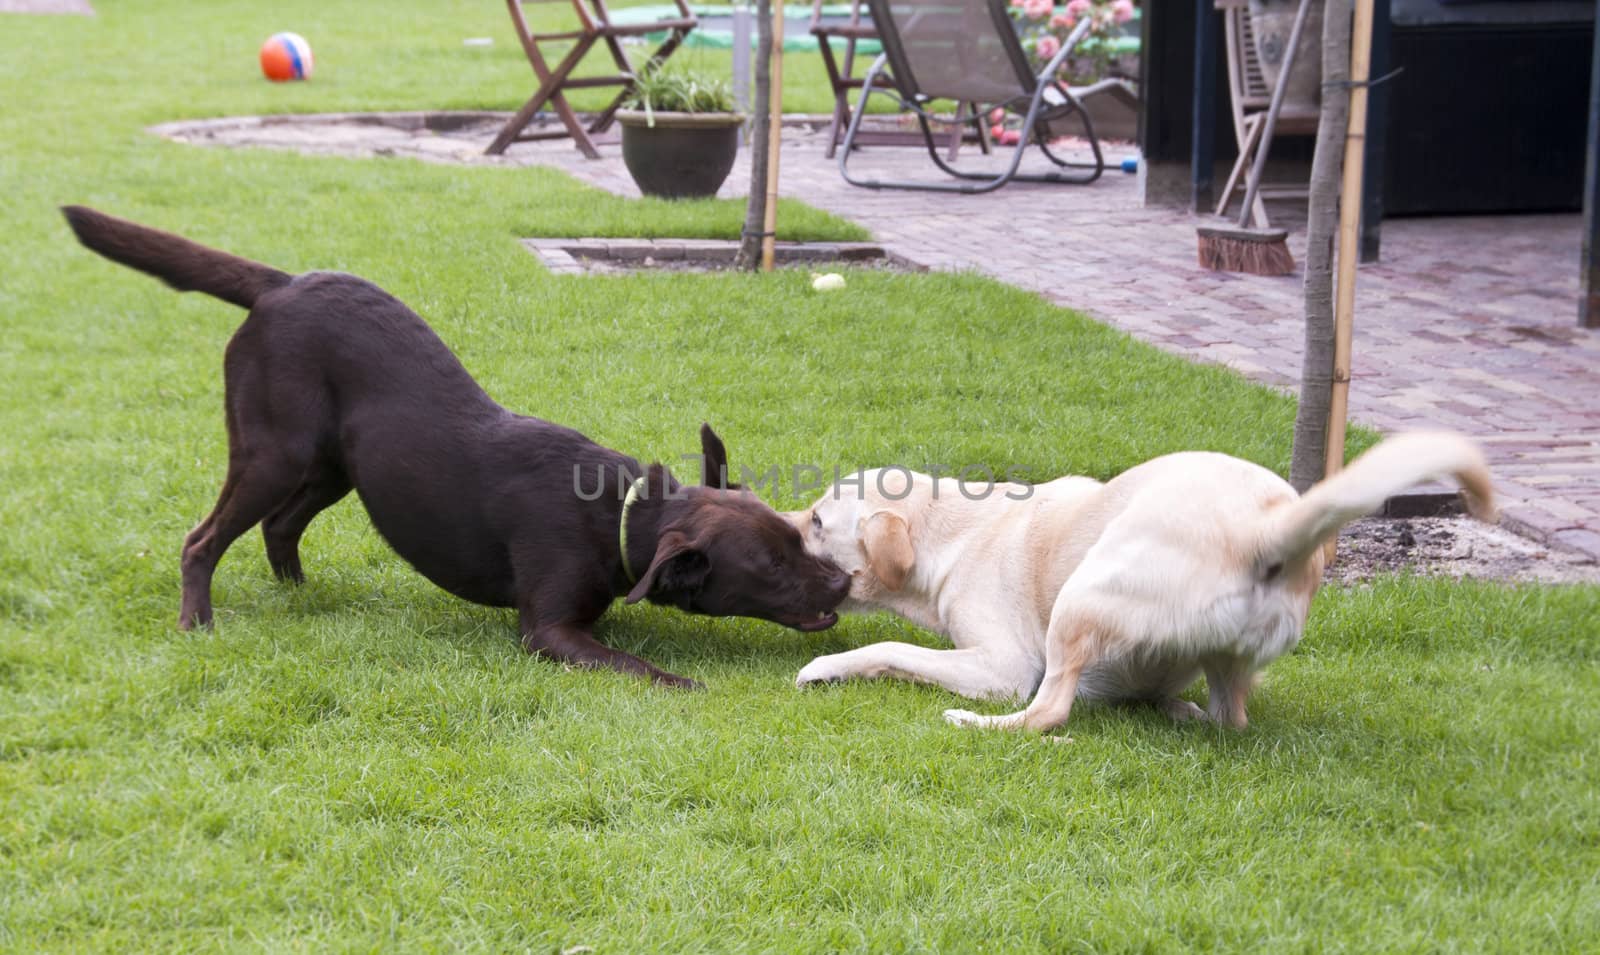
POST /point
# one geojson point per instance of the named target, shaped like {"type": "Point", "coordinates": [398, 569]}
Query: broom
{"type": "Point", "coordinates": [1239, 248]}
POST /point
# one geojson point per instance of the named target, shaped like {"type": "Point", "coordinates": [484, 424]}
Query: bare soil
{"type": "Point", "coordinates": [1451, 547]}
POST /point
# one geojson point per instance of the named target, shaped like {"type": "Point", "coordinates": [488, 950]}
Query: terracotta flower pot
{"type": "Point", "coordinates": [679, 155]}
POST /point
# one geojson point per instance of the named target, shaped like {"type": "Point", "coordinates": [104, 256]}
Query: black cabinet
{"type": "Point", "coordinates": [1487, 116]}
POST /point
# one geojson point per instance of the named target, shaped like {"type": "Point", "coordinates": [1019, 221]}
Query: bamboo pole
{"type": "Point", "coordinates": [1344, 298]}
{"type": "Point", "coordinates": [769, 226]}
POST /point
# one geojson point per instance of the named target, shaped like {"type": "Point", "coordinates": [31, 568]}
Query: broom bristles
{"type": "Point", "coordinates": [1253, 252]}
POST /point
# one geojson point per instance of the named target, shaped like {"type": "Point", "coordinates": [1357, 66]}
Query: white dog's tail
{"type": "Point", "coordinates": [1403, 461]}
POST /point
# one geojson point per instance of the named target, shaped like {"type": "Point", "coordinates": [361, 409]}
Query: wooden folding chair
{"type": "Point", "coordinates": [1249, 95]}
{"type": "Point", "coordinates": [594, 26]}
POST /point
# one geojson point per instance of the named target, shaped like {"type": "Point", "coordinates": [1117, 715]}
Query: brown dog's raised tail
{"type": "Point", "coordinates": [184, 265]}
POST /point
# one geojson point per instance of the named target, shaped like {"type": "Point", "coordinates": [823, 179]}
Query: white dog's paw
{"type": "Point", "coordinates": [1180, 711]}
{"type": "Point", "coordinates": [962, 718]}
{"type": "Point", "coordinates": [820, 670]}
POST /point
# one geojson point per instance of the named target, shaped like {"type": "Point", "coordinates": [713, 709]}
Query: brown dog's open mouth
{"type": "Point", "coordinates": [821, 621]}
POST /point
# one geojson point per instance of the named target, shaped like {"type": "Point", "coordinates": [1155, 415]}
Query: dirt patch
{"type": "Point", "coordinates": [1451, 547]}
{"type": "Point", "coordinates": [615, 256]}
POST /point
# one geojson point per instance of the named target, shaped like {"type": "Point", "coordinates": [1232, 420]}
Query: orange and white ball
{"type": "Point", "coordinates": [286, 56]}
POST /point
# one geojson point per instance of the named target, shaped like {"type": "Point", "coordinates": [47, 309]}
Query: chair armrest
{"type": "Point", "coordinates": [851, 29]}
{"type": "Point", "coordinates": [816, 15]}
{"type": "Point", "coordinates": [650, 26]}
{"type": "Point", "coordinates": [847, 32]}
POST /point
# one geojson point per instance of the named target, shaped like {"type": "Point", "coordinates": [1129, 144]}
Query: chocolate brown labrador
{"type": "Point", "coordinates": [332, 384]}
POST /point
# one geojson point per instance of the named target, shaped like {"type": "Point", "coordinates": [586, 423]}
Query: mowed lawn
{"type": "Point", "coordinates": [366, 764]}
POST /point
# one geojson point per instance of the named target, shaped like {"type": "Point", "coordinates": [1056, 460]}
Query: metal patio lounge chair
{"type": "Point", "coordinates": [967, 52]}
{"type": "Point", "coordinates": [852, 29]}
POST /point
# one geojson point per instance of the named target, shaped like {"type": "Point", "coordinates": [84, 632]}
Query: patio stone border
{"type": "Point", "coordinates": [579, 256]}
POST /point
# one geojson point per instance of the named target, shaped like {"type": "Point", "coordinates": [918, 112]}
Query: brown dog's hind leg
{"type": "Point", "coordinates": [283, 527]}
{"type": "Point", "coordinates": [254, 488]}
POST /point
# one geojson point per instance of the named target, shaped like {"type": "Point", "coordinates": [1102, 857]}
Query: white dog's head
{"type": "Point", "coordinates": [864, 527]}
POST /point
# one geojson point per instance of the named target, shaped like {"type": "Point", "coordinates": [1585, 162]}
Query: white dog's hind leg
{"type": "Point", "coordinates": [977, 672]}
{"type": "Point", "coordinates": [1070, 646]}
{"type": "Point", "coordinates": [1228, 681]}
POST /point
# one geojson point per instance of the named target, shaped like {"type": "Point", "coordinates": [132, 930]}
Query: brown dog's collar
{"type": "Point", "coordinates": [634, 490]}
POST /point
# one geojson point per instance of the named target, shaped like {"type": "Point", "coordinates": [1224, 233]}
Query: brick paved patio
{"type": "Point", "coordinates": [1467, 324]}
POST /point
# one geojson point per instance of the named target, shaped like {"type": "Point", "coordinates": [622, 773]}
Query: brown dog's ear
{"type": "Point", "coordinates": [886, 540]}
{"type": "Point", "coordinates": [677, 566]}
{"type": "Point", "coordinates": [713, 459]}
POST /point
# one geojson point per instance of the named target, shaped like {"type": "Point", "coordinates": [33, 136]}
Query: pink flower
{"type": "Point", "coordinates": [1048, 46]}
{"type": "Point", "coordinates": [1122, 11]}
{"type": "Point", "coordinates": [1016, 3]}
{"type": "Point", "coordinates": [1078, 8]}
{"type": "Point", "coordinates": [1063, 21]}
{"type": "Point", "coordinates": [1038, 9]}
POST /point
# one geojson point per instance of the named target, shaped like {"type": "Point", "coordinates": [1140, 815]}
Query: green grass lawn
{"type": "Point", "coordinates": [365, 763]}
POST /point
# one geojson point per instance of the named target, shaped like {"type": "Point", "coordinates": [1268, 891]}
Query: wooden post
{"type": "Point", "coordinates": [1377, 133]}
{"type": "Point", "coordinates": [769, 228]}
{"type": "Point", "coordinates": [1589, 301]}
{"type": "Point", "coordinates": [1344, 296]}
{"type": "Point", "coordinates": [1202, 149]}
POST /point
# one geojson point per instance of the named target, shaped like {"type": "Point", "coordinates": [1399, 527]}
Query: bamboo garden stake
{"type": "Point", "coordinates": [1344, 299]}
{"type": "Point", "coordinates": [1344, 296]}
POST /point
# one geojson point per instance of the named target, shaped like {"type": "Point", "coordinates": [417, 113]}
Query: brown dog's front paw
{"type": "Point", "coordinates": [678, 682]}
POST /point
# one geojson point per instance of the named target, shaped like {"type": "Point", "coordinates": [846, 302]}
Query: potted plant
{"type": "Point", "coordinates": [1271, 23]}
{"type": "Point", "coordinates": [680, 134]}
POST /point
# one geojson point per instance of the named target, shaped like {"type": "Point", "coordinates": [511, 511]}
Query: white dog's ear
{"type": "Point", "coordinates": [886, 540]}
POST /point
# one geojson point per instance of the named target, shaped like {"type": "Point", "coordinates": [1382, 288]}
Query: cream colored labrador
{"type": "Point", "coordinates": [1187, 564]}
